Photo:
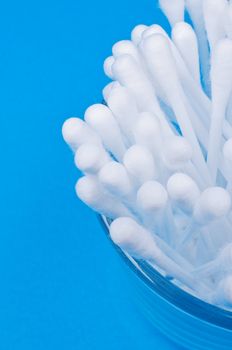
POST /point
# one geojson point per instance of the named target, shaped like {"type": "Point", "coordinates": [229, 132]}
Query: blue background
{"type": "Point", "coordinates": [60, 281]}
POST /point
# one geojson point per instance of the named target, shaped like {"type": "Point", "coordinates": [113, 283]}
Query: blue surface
{"type": "Point", "coordinates": [60, 279]}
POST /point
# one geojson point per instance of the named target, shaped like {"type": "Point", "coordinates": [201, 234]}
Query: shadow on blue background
{"type": "Point", "coordinates": [60, 278]}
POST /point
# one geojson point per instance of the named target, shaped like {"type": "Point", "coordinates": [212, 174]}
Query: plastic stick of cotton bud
{"type": "Point", "coordinates": [185, 40]}
{"type": "Point", "coordinates": [195, 11]}
{"type": "Point", "coordinates": [139, 243]}
{"type": "Point", "coordinates": [221, 77]}
{"type": "Point", "coordinates": [140, 164]}
{"type": "Point", "coordinates": [75, 132]}
{"type": "Point", "coordinates": [197, 97]}
{"type": "Point", "coordinates": [171, 63]}
{"type": "Point", "coordinates": [215, 16]}
{"type": "Point", "coordinates": [137, 32]}
{"type": "Point", "coordinates": [115, 179]}
{"type": "Point", "coordinates": [123, 106]}
{"type": "Point", "coordinates": [90, 191]}
{"type": "Point", "coordinates": [221, 265]}
{"type": "Point", "coordinates": [227, 153]}
{"type": "Point", "coordinates": [90, 158]}
{"type": "Point", "coordinates": [228, 21]}
{"type": "Point", "coordinates": [174, 10]}
{"type": "Point", "coordinates": [213, 204]}
{"type": "Point", "coordinates": [100, 118]}
{"type": "Point", "coordinates": [131, 75]}
{"type": "Point", "coordinates": [161, 63]}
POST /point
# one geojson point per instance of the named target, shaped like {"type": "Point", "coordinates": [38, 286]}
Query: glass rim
{"type": "Point", "coordinates": [173, 294]}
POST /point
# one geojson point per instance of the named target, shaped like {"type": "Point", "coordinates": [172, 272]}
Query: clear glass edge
{"type": "Point", "coordinates": [173, 294]}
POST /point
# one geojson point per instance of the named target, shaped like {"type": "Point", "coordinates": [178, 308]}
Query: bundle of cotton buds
{"type": "Point", "coordinates": [157, 154]}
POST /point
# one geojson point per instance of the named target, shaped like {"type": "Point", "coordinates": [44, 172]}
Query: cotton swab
{"type": "Point", "coordinates": [214, 17]}
{"type": "Point", "coordinates": [136, 34]}
{"type": "Point", "coordinates": [139, 243]}
{"type": "Point", "coordinates": [227, 153]}
{"type": "Point", "coordinates": [183, 192]}
{"type": "Point", "coordinates": [126, 47]}
{"type": "Point", "coordinates": [107, 66]}
{"type": "Point", "coordinates": [90, 191]}
{"type": "Point", "coordinates": [101, 119]}
{"type": "Point", "coordinates": [214, 203]}
{"type": "Point", "coordinates": [115, 179]}
{"type": "Point", "coordinates": [123, 106]}
{"type": "Point", "coordinates": [131, 75]}
{"type": "Point", "coordinates": [161, 63]}
{"type": "Point", "coordinates": [140, 164]}
{"type": "Point", "coordinates": [152, 199]}
{"type": "Point", "coordinates": [228, 21]}
{"type": "Point", "coordinates": [75, 132]}
{"type": "Point", "coordinates": [174, 10]}
{"type": "Point", "coordinates": [157, 152]}
{"type": "Point", "coordinates": [185, 40]}
{"type": "Point", "coordinates": [195, 10]}
{"type": "Point", "coordinates": [90, 158]}
{"type": "Point", "coordinates": [107, 90]}
{"type": "Point", "coordinates": [221, 76]}
{"type": "Point", "coordinates": [177, 152]}
{"type": "Point", "coordinates": [147, 133]}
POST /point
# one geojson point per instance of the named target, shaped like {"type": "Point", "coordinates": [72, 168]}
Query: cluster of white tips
{"type": "Point", "coordinates": [157, 155]}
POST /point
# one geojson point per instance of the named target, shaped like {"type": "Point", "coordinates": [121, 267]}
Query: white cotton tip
{"type": "Point", "coordinates": [147, 132]}
{"type": "Point", "coordinates": [137, 32]}
{"type": "Point", "coordinates": [75, 132]}
{"type": "Point", "coordinates": [227, 150]}
{"type": "Point", "coordinates": [139, 243]}
{"type": "Point", "coordinates": [174, 10]}
{"type": "Point", "coordinates": [125, 47]}
{"type": "Point", "coordinates": [90, 158]}
{"type": "Point", "coordinates": [158, 55]}
{"type": "Point", "coordinates": [215, 16]}
{"type": "Point", "coordinates": [152, 197]}
{"type": "Point", "coordinates": [107, 66]}
{"type": "Point", "coordinates": [183, 191]}
{"type": "Point", "coordinates": [140, 164]}
{"type": "Point", "coordinates": [177, 152]}
{"type": "Point", "coordinates": [123, 105]}
{"type": "Point", "coordinates": [153, 29]}
{"type": "Point", "coordinates": [221, 72]}
{"type": "Point", "coordinates": [100, 118]}
{"type": "Point", "coordinates": [185, 40]}
{"type": "Point", "coordinates": [133, 238]}
{"type": "Point", "coordinates": [108, 89]}
{"type": "Point", "coordinates": [221, 78]}
{"type": "Point", "coordinates": [131, 75]}
{"type": "Point", "coordinates": [224, 292]}
{"type": "Point", "coordinates": [114, 177]}
{"type": "Point", "coordinates": [89, 190]}
{"type": "Point", "coordinates": [214, 203]}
